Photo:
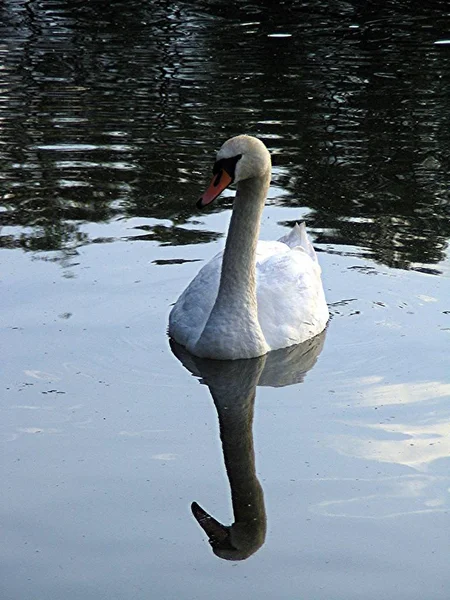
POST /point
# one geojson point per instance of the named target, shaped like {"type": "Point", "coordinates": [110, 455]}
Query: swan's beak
{"type": "Point", "coordinates": [219, 182]}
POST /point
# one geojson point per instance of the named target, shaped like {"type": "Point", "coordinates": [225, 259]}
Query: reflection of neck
{"type": "Point", "coordinates": [234, 397]}
{"type": "Point", "coordinates": [239, 456]}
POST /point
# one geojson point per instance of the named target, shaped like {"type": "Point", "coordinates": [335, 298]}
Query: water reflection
{"type": "Point", "coordinates": [108, 109]}
{"type": "Point", "coordinates": [411, 494]}
{"type": "Point", "coordinates": [415, 444]}
{"type": "Point", "coordinates": [232, 385]}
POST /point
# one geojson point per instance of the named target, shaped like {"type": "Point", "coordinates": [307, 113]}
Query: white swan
{"type": "Point", "coordinates": [254, 296]}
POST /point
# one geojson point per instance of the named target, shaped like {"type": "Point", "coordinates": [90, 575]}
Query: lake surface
{"type": "Point", "coordinates": [332, 458]}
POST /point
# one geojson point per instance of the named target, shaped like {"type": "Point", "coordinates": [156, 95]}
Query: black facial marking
{"type": "Point", "coordinates": [228, 165]}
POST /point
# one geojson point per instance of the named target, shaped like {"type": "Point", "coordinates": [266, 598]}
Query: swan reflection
{"type": "Point", "coordinates": [232, 385]}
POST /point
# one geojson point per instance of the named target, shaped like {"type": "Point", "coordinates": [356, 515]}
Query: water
{"type": "Point", "coordinates": [110, 117]}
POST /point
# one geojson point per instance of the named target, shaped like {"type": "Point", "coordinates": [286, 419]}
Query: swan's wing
{"type": "Point", "coordinates": [189, 314]}
{"type": "Point", "coordinates": [298, 237]}
{"type": "Point", "coordinates": [291, 300]}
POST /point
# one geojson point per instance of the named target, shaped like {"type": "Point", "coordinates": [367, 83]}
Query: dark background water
{"type": "Point", "coordinates": [115, 108]}
{"type": "Point", "coordinates": [110, 115]}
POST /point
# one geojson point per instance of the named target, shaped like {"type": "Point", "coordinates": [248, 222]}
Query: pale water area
{"type": "Point", "coordinates": [329, 462]}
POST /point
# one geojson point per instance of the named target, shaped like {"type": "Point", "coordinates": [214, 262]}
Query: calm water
{"type": "Point", "coordinates": [331, 459]}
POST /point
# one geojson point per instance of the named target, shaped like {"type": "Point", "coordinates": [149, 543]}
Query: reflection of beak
{"type": "Point", "coordinates": [219, 182]}
{"type": "Point", "coordinates": [217, 533]}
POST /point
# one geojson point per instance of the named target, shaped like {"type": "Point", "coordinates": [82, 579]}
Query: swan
{"type": "Point", "coordinates": [255, 296]}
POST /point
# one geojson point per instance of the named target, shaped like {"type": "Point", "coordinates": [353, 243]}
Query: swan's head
{"type": "Point", "coordinates": [241, 157]}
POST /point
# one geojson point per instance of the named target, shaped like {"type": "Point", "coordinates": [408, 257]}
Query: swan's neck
{"type": "Point", "coordinates": [238, 277]}
{"type": "Point", "coordinates": [232, 330]}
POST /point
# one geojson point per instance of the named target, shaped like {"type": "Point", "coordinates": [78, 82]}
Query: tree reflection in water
{"type": "Point", "coordinates": [109, 109]}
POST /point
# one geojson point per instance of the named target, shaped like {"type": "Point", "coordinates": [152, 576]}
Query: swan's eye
{"type": "Point", "coordinates": [227, 164]}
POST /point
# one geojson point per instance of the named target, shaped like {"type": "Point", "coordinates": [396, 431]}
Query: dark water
{"type": "Point", "coordinates": [112, 108]}
{"type": "Point", "coordinates": [110, 115]}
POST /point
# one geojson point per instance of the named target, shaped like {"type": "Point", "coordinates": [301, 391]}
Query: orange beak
{"type": "Point", "coordinates": [219, 182]}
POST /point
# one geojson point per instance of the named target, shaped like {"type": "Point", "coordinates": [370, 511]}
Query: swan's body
{"type": "Point", "coordinates": [254, 296]}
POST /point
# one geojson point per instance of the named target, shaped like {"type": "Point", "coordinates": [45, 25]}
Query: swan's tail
{"type": "Point", "coordinates": [298, 237]}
